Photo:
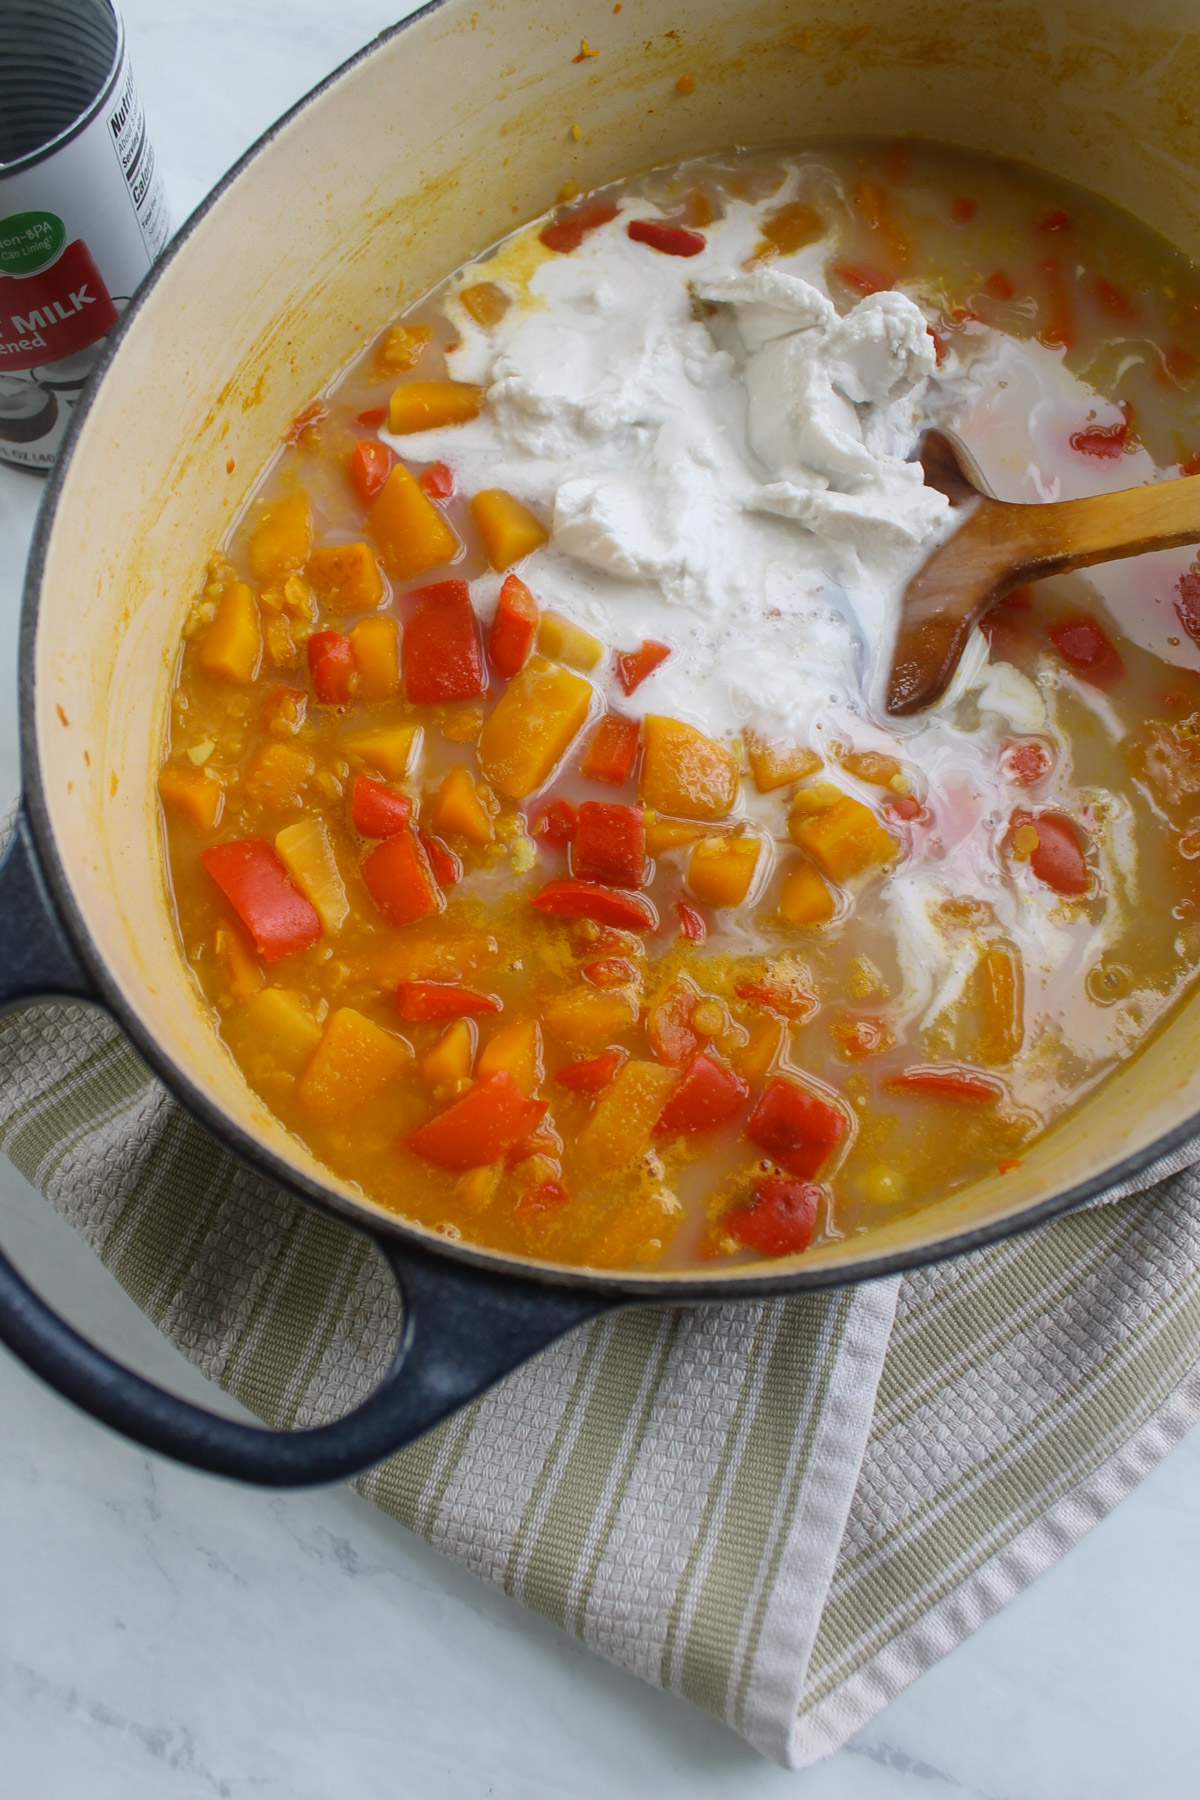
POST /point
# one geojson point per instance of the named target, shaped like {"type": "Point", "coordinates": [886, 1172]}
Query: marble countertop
{"type": "Point", "coordinates": [164, 1636]}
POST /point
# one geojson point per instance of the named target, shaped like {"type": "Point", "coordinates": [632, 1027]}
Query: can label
{"type": "Point", "coordinates": [79, 226]}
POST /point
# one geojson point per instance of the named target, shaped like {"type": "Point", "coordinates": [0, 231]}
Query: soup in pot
{"type": "Point", "coordinates": [535, 829]}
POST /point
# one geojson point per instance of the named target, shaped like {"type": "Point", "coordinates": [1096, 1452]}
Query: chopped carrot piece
{"type": "Point", "coordinates": [634, 666]}
{"type": "Point", "coordinates": [281, 542]}
{"type": "Point", "coordinates": [441, 654]}
{"type": "Point", "coordinates": [613, 750]}
{"type": "Point", "coordinates": [421, 1001]}
{"type": "Point", "coordinates": [610, 844]}
{"type": "Point", "coordinates": [377, 811]}
{"type": "Point", "coordinates": [513, 628]}
{"type": "Point", "coordinates": [354, 1061]}
{"type": "Point", "coordinates": [429, 405]}
{"type": "Point", "coordinates": [491, 1119]}
{"type": "Point", "coordinates": [346, 577]}
{"type": "Point", "coordinates": [256, 884]}
{"type": "Point", "coordinates": [796, 1127]}
{"type": "Point", "coordinates": [685, 772]}
{"type": "Point", "coordinates": [398, 880]}
{"type": "Point", "coordinates": [588, 900]}
{"type": "Point", "coordinates": [507, 529]}
{"type": "Point", "coordinates": [412, 535]}
{"type": "Point", "coordinates": [331, 665]}
{"type": "Point", "coordinates": [459, 812]}
{"type": "Point", "coordinates": [709, 1094]}
{"type": "Point", "coordinates": [781, 1219]}
{"type": "Point", "coordinates": [194, 794]}
{"type": "Point", "coordinates": [370, 465]}
{"type": "Point", "coordinates": [233, 645]}
{"type": "Point", "coordinates": [532, 726]}
{"type": "Point", "coordinates": [592, 1074]}
{"type": "Point", "coordinates": [376, 647]}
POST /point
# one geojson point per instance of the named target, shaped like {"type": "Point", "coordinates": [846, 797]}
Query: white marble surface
{"type": "Point", "coordinates": [164, 1637]}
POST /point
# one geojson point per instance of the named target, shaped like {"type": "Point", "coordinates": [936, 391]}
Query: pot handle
{"type": "Point", "coordinates": [463, 1328]}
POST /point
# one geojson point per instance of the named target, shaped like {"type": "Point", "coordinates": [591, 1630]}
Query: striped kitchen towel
{"type": "Point", "coordinates": [784, 1510]}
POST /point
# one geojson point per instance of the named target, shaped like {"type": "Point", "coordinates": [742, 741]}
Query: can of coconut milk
{"type": "Point", "coordinates": [82, 213]}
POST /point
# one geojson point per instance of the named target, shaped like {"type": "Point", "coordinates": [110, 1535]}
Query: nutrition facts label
{"type": "Point", "coordinates": [135, 153]}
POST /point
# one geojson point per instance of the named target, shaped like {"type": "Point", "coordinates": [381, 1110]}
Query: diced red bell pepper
{"type": "Point", "coordinates": [261, 892]}
{"type": "Point", "coordinates": [446, 866]}
{"type": "Point", "coordinates": [1058, 858]}
{"type": "Point", "coordinates": [1104, 441]}
{"type": "Point", "coordinates": [790, 1000]}
{"type": "Point", "coordinates": [1060, 326]}
{"type": "Point", "coordinates": [709, 1094]}
{"type": "Point", "coordinates": [332, 667]}
{"type": "Point", "coordinates": [372, 418]}
{"type": "Point", "coordinates": [905, 807]}
{"type": "Point", "coordinates": [1113, 300]}
{"type": "Point", "coordinates": [1055, 221]}
{"type": "Point", "coordinates": [797, 1128]}
{"type": "Point", "coordinates": [420, 1001]}
{"type": "Point", "coordinates": [947, 1082]}
{"type": "Point", "coordinates": [999, 286]}
{"type": "Point", "coordinates": [543, 1198]}
{"type": "Point", "coordinates": [440, 655]}
{"type": "Point", "coordinates": [633, 666]}
{"type": "Point", "coordinates": [376, 810]}
{"type": "Point", "coordinates": [1025, 764]}
{"type": "Point", "coordinates": [609, 971]}
{"type": "Point", "coordinates": [398, 880]}
{"type": "Point", "coordinates": [481, 1128]}
{"type": "Point", "coordinates": [1187, 603]}
{"type": "Point", "coordinates": [610, 844]}
{"type": "Point", "coordinates": [513, 628]}
{"type": "Point", "coordinates": [669, 240]}
{"type": "Point", "coordinates": [436, 482]}
{"type": "Point", "coordinates": [557, 824]}
{"type": "Point", "coordinates": [613, 750]}
{"type": "Point", "coordinates": [592, 1075]}
{"type": "Point", "coordinates": [692, 923]}
{"type": "Point", "coordinates": [782, 1219]}
{"type": "Point", "coordinates": [963, 209]}
{"type": "Point", "coordinates": [370, 465]}
{"type": "Point", "coordinates": [1083, 643]}
{"type": "Point", "coordinates": [669, 1025]}
{"type": "Point", "coordinates": [566, 899]}
{"type": "Point", "coordinates": [864, 278]}
{"type": "Point", "coordinates": [568, 231]}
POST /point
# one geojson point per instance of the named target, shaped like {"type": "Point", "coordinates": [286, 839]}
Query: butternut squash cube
{"type": "Point", "coordinates": [766, 1044]}
{"type": "Point", "coordinates": [233, 645]}
{"type": "Point", "coordinates": [507, 529]}
{"type": "Point", "coordinates": [531, 727]}
{"type": "Point", "coordinates": [450, 1060]}
{"type": "Point", "coordinates": [459, 811]}
{"type": "Point", "coordinates": [486, 301]}
{"type": "Point", "coordinates": [685, 772]}
{"type": "Point", "coordinates": [843, 839]}
{"type": "Point", "coordinates": [638, 1232]}
{"type": "Point", "coordinates": [427, 405]}
{"type": "Point", "coordinates": [402, 348]}
{"type": "Point", "coordinates": [586, 1017]}
{"type": "Point", "coordinates": [663, 835]}
{"type": "Point", "coordinates": [565, 642]}
{"type": "Point", "coordinates": [346, 577]}
{"type": "Point", "coordinates": [516, 1047]}
{"type": "Point", "coordinates": [281, 542]}
{"type": "Point", "coordinates": [277, 1023]}
{"type": "Point", "coordinates": [620, 1128]}
{"type": "Point", "coordinates": [720, 869]}
{"type": "Point", "coordinates": [412, 535]}
{"type": "Point", "coordinates": [242, 971]}
{"type": "Point", "coordinates": [805, 898]}
{"type": "Point", "coordinates": [376, 647]}
{"type": "Point", "coordinates": [194, 794]}
{"type": "Point", "coordinates": [307, 854]}
{"type": "Point", "coordinates": [774, 762]}
{"type": "Point", "coordinates": [1000, 986]}
{"type": "Point", "coordinates": [355, 1060]}
{"type": "Point", "coordinates": [391, 749]}
{"type": "Point", "coordinates": [278, 775]}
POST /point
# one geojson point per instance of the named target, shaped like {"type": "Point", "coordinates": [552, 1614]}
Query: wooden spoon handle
{"type": "Point", "coordinates": [1001, 545]}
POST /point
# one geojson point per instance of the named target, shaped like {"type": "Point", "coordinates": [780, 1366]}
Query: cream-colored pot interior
{"type": "Point", "coordinates": [440, 140]}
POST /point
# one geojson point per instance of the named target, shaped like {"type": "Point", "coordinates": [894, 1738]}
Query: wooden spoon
{"type": "Point", "coordinates": [999, 546]}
